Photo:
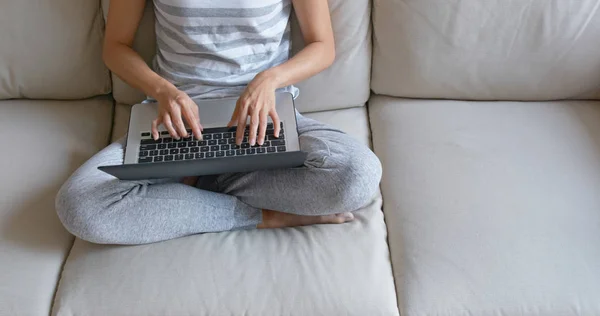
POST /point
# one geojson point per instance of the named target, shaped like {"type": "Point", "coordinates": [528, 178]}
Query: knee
{"type": "Point", "coordinates": [79, 211]}
{"type": "Point", "coordinates": [358, 181]}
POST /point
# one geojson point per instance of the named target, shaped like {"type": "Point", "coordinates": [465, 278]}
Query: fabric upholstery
{"type": "Point", "coordinates": [42, 143]}
{"type": "Point", "coordinates": [52, 49]}
{"type": "Point", "coordinates": [491, 208]}
{"type": "Point", "coordinates": [486, 50]}
{"type": "Point", "coordinates": [344, 84]}
{"type": "Point", "coordinates": [318, 270]}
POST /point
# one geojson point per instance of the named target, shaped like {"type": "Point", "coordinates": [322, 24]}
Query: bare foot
{"type": "Point", "coordinates": [191, 181]}
{"type": "Point", "coordinates": [274, 219]}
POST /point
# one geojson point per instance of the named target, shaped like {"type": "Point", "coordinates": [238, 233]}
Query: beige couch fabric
{"type": "Point", "coordinates": [492, 208]}
{"type": "Point", "coordinates": [344, 84]}
{"type": "Point", "coordinates": [486, 50]}
{"type": "Point", "coordinates": [51, 49]}
{"type": "Point", "coordinates": [43, 142]}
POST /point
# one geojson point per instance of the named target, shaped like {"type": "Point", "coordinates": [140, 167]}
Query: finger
{"type": "Point", "coordinates": [192, 120]}
{"type": "Point", "coordinates": [155, 125]}
{"type": "Point", "coordinates": [241, 125]}
{"type": "Point", "coordinates": [177, 121]}
{"type": "Point", "coordinates": [234, 115]}
{"type": "Point", "coordinates": [276, 122]}
{"type": "Point", "coordinates": [262, 128]}
{"type": "Point", "coordinates": [169, 125]}
{"type": "Point", "coordinates": [197, 115]}
{"type": "Point", "coordinates": [254, 121]}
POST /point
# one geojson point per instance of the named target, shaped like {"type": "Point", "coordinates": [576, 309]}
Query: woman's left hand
{"type": "Point", "coordinates": [257, 102]}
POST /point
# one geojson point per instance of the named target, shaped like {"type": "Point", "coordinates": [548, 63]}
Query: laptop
{"type": "Point", "coordinates": [216, 153]}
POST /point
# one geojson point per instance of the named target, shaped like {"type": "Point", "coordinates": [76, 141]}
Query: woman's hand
{"type": "Point", "coordinates": [257, 102]}
{"type": "Point", "coordinates": [172, 105]}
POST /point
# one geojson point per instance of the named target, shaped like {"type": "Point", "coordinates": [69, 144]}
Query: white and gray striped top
{"type": "Point", "coordinates": [214, 48]}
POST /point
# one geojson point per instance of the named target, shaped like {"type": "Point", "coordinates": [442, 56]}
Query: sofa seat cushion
{"type": "Point", "coordinates": [42, 143]}
{"type": "Point", "coordinates": [317, 270]}
{"type": "Point", "coordinates": [493, 208]}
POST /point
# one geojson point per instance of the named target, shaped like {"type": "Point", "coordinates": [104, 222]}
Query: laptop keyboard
{"type": "Point", "coordinates": [216, 143]}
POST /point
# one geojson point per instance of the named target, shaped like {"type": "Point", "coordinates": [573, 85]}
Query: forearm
{"type": "Point", "coordinates": [128, 65]}
{"type": "Point", "coordinates": [311, 60]}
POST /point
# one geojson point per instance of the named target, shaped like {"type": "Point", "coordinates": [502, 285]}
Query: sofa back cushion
{"type": "Point", "coordinates": [486, 50]}
{"type": "Point", "coordinates": [52, 49]}
{"type": "Point", "coordinates": [344, 84]}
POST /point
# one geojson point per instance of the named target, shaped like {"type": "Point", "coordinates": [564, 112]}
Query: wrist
{"type": "Point", "coordinates": [163, 88]}
{"type": "Point", "coordinates": [273, 76]}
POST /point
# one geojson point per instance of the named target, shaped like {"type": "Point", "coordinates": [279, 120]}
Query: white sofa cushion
{"type": "Point", "coordinates": [491, 208]}
{"type": "Point", "coordinates": [317, 270]}
{"type": "Point", "coordinates": [42, 143]}
{"type": "Point", "coordinates": [343, 85]}
{"type": "Point", "coordinates": [51, 49]}
{"type": "Point", "coordinates": [486, 50]}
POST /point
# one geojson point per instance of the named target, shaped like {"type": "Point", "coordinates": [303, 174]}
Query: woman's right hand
{"type": "Point", "coordinates": [175, 106]}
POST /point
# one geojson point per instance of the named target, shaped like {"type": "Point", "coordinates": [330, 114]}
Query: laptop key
{"type": "Point", "coordinates": [214, 148]}
{"type": "Point", "coordinates": [250, 151]}
{"type": "Point", "coordinates": [231, 141]}
{"type": "Point", "coordinates": [172, 145]}
{"type": "Point", "coordinates": [143, 154]}
{"type": "Point", "coordinates": [146, 134]}
{"type": "Point", "coordinates": [187, 139]}
{"type": "Point", "coordinates": [210, 154]}
{"type": "Point", "coordinates": [148, 147]}
{"type": "Point", "coordinates": [200, 156]}
{"type": "Point", "coordinates": [158, 159]}
{"type": "Point", "coordinates": [212, 142]}
{"type": "Point", "coordinates": [222, 141]}
{"type": "Point", "coordinates": [202, 143]}
{"type": "Point", "coordinates": [169, 158]}
{"type": "Point", "coordinates": [204, 149]}
{"type": "Point", "coordinates": [276, 143]}
{"type": "Point", "coordinates": [174, 151]}
{"type": "Point", "coordinates": [195, 149]}
{"type": "Point", "coordinates": [224, 147]}
{"type": "Point", "coordinates": [281, 149]}
{"type": "Point", "coordinates": [162, 146]}
{"type": "Point", "coordinates": [181, 145]}
{"type": "Point", "coordinates": [167, 140]}
{"type": "Point", "coordinates": [164, 152]}
{"type": "Point", "coordinates": [220, 154]}
{"type": "Point", "coordinates": [227, 135]}
{"type": "Point", "coordinates": [154, 153]}
{"type": "Point", "coordinates": [207, 137]}
{"type": "Point", "coordinates": [179, 157]}
{"type": "Point", "coordinates": [245, 145]}
{"type": "Point", "coordinates": [150, 141]}
{"type": "Point", "coordinates": [145, 160]}
{"type": "Point", "coordinates": [240, 152]}
{"type": "Point", "coordinates": [261, 150]}
{"type": "Point", "coordinates": [271, 149]}
{"type": "Point", "coordinates": [189, 156]}
{"type": "Point", "coordinates": [218, 136]}
{"type": "Point", "coordinates": [184, 150]}
{"type": "Point", "coordinates": [192, 144]}
{"type": "Point", "coordinates": [230, 153]}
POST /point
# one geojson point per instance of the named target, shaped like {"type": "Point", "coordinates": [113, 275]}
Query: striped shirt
{"type": "Point", "coordinates": [214, 48]}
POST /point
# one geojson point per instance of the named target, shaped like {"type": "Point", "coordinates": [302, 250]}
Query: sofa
{"type": "Point", "coordinates": [485, 115]}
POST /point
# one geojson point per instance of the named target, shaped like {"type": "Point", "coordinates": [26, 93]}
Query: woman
{"type": "Point", "coordinates": [214, 49]}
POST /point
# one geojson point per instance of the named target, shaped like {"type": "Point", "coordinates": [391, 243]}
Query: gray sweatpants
{"type": "Point", "coordinates": [339, 175]}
